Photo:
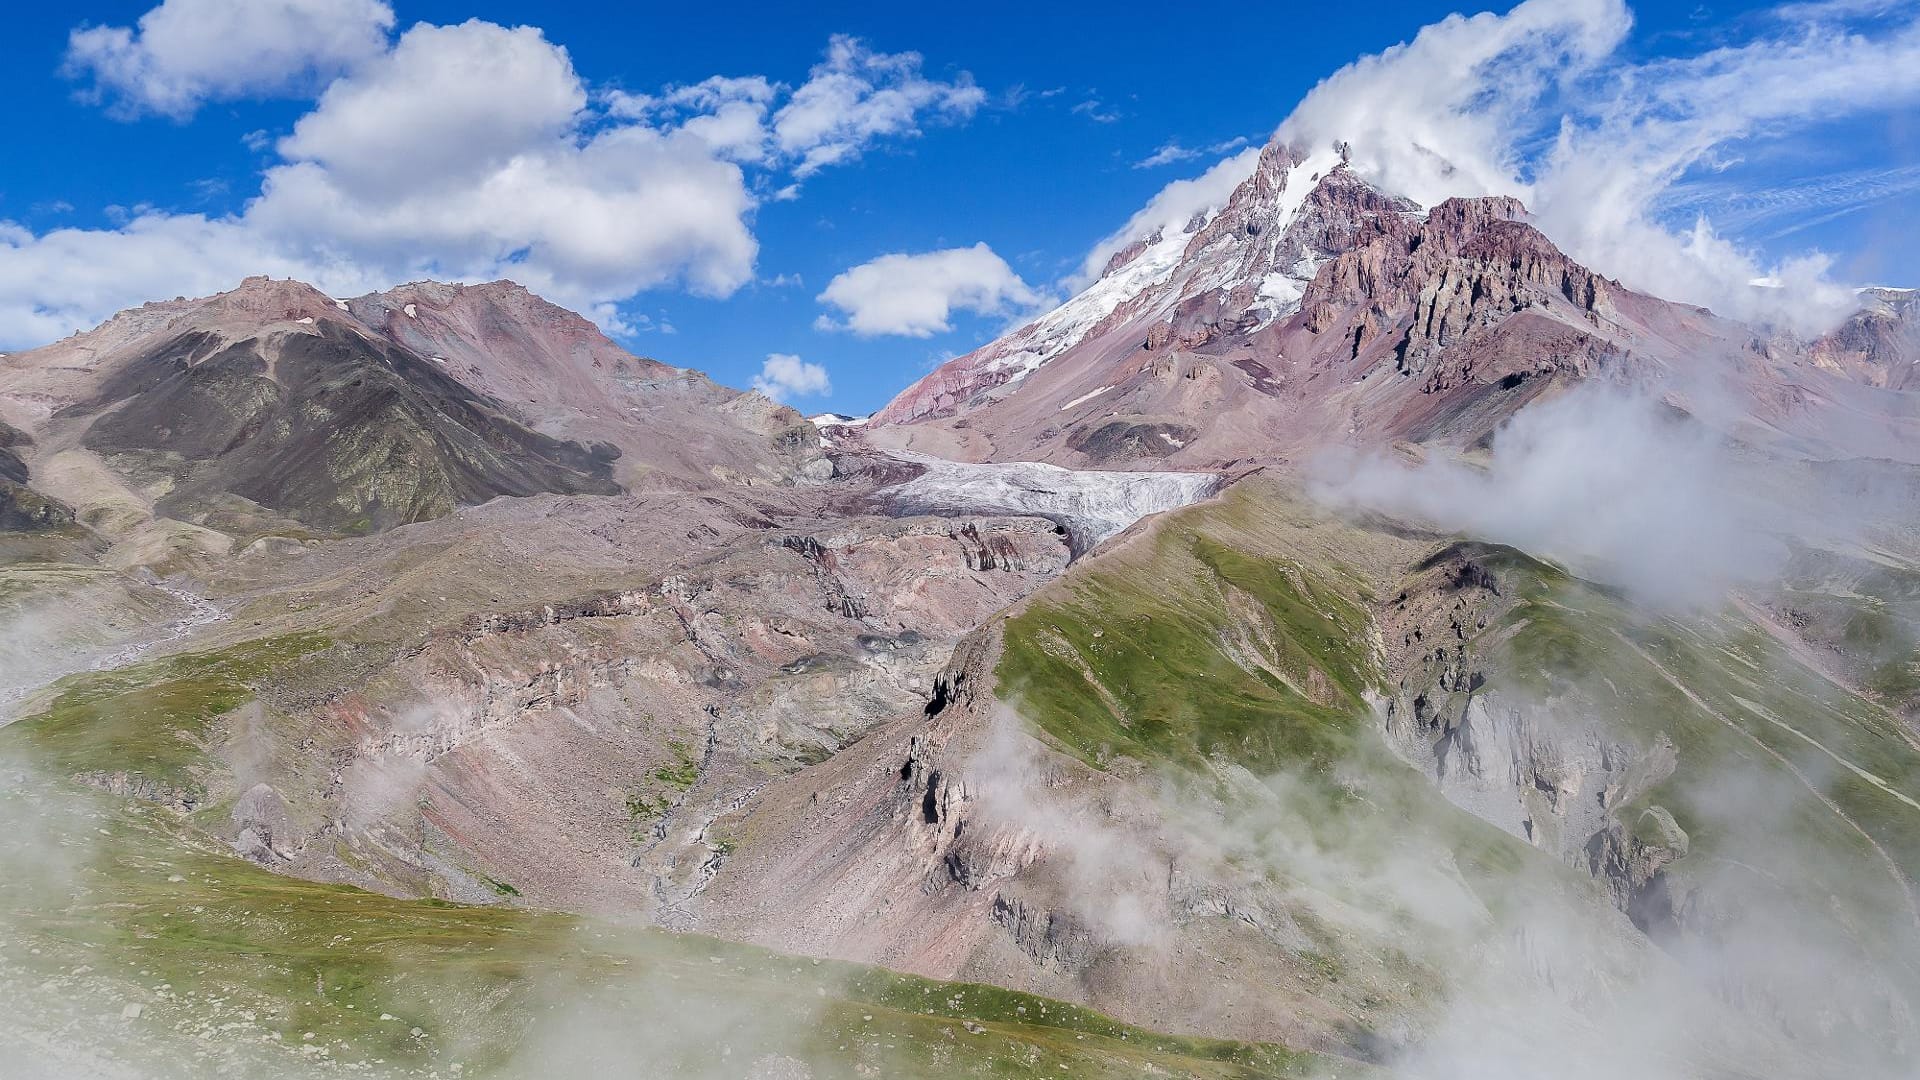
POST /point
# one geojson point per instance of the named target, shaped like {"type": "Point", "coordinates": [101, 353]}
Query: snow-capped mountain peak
{"type": "Point", "coordinates": [1254, 254]}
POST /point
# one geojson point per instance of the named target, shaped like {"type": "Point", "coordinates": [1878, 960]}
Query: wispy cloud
{"type": "Point", "coordinates": [1798, 203]}
{"type": "Point", "coordinates": [1172, 152]}
{"type": "Point", "coordinates": [1097, 111]}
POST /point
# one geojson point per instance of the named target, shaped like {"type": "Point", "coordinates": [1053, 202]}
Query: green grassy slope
{"type": "Point", "coordinates": [209, 944]}
{"type": "Point", "coordinates": [239, 969]}
{"type": "Point", "coordinates": [1218, 640]}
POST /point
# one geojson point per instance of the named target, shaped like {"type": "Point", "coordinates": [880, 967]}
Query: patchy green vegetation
{"type": "Point", "coordinates": [146, 910]}
{"type": "Point", "coordinates": [684, 770]}
{"type": "Point", "coordinates": [1197, 652]}
{"type": "Point", "coordinates": [644, 807]}
{"type": "Point", "coordinates": [288, 970]}
{"type": "Point", "coordinates": [151, 719]}
{"type": "Point", "coordinates": [1781, 772]}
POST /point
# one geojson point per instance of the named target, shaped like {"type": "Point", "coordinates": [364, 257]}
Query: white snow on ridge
{"type": "Point", "coordinates": [1093, 504]}
{"type": "Point", "coordinates": [1067, 325]}
{"type": "Point", "coordinates": [1283, 289]}
{"type": "Point", "coordinates": [1157, 267]}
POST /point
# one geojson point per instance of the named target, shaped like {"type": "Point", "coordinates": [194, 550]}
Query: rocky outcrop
{"type": "Point", "coordinates": [23, 509]}
{"type": "Point", "coordinates": [1630, 861]}
{"type": "Point", "coordinates": [1051, 938]}
{"type": "Point", "coordinates": [178, 797]}
{"type": "Point", "coordinates": [1435, 291]}
{"type": "Point", "coordinates": [1538, 767]}
{"type": "Point", "coordinates": [263, 828]}
{"type": "Point", "coordinates": [1877, 345]}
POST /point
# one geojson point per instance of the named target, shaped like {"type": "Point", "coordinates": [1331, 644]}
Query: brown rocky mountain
{"type": "Point", "coordinates": [1313, 310]}
{"type": "Point", "coordinates": [275, 404]}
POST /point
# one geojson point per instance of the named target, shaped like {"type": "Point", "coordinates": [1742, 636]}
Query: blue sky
{"type": "Point", "coordinates": [1040, 161]}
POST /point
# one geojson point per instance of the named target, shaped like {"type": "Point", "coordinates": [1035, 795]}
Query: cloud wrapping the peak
{"type": "Point", "coordinates": [1541, 103]}
{"type": "Point", "coordinates": [1434, 117]}
{"type": "Point", "coordinates": [185, 53]}
{"type": "Point", "coordinates": [784, 377]}
{"type": "Point", "coordinates": [916, 295]}
{"type": "Point", "coordinates": [1170, 209]}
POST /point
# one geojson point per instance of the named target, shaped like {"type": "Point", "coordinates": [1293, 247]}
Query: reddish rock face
{"type": "Point", "coordinates": [1314, 308]}
{"type": "Point", "coordinates": [1877, 345]}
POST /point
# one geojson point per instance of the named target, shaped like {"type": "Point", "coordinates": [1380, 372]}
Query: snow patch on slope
{"type": "Point", "coordinates": [1086, 397]}
{"type": "Point", "coordinates": [1092, 504]}
{"type": "Point", "coordinates": [1157, 266]}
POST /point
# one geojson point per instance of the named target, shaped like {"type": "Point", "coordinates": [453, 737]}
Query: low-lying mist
{"type": "Point", "coordinates": [1611, 482]}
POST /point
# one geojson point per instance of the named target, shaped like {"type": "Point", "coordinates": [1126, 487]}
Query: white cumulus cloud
{"type": "Point", "coordinates": [465, 152]}
{"type": "Point", "coordinates": [785, 376]}
{"type": "Point", "coordinates": [187, 52]}
{"type": "Point", "coordinates": [850, 100]}
{"type": "Point", "coordinates": [916, 295]}
{"type": "Point", "coordinates": [447, 105]}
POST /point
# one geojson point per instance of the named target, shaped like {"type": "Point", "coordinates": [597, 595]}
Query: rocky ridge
{"type": "Point", "coordinates": [1313, 308]}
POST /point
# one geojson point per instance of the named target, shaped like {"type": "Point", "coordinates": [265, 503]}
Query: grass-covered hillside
{"type": "Point", "coordinates": [153, 950]}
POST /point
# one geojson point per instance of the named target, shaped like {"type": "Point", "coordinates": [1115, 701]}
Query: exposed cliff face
{"type": "Point", "coordinates": [1435, 293]}
{"type": "Point", "coordinates": [23, 509]}
{"type": "Point", "coordinates": [1879, 344]}
{"type": "Point", "coordinates": [1542, 768]}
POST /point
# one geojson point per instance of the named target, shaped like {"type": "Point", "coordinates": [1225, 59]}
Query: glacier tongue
{"type": "Point", "coordinates": [1092, 504]}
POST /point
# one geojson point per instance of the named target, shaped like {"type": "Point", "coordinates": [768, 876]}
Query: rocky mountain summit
{"type": "Point", "coordinates": [1313, 309]}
